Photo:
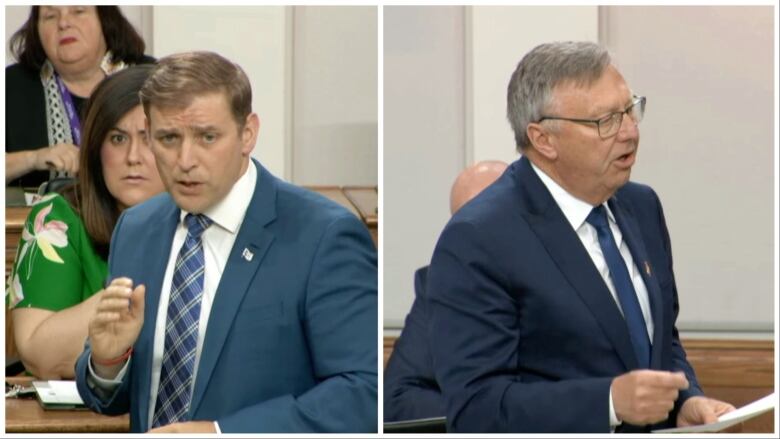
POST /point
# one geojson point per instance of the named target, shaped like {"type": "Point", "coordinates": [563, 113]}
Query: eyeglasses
{"type": "Point", "coordinates": [609, 125]}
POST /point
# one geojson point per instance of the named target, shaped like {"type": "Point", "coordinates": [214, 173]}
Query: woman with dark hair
{"type": "Point", "coordinates": [63, 53]}
{"type": "Point", "coordinates": [61, 261]}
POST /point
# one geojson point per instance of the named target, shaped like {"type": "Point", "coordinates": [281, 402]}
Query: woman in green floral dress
{"type": "Point", "coordinates": [61, 259]}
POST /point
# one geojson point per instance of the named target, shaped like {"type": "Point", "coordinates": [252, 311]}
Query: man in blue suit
{"type": "Point", "coordinates": [411, 391]}
{"type": "Point", "coordinates": [239, 303]}
{"type": "Point", "coordinates": [552, 295]}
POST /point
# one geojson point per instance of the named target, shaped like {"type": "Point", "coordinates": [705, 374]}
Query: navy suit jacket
{"type": "Point", "coordinates": [411, 391]}
{"type": "Point", "coordinates": [526, 337]}
{"type": "Point", "coordinates": [291, 340]}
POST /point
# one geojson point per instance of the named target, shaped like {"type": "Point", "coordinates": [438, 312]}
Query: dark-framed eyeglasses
{"type": "Point", "coordinates": [609, 125]}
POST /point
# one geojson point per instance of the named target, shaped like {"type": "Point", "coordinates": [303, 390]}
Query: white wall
{"type": "Point", "coordinates": [423, 140]}
{"type": "Point", "coordinates": [334, 95]}
{"type": "Point", "coordinates": [707, 148]}
{"type": "Point", "coordinates": [497, 37]}
{"type": "Point", "coordinates": [256, 38]}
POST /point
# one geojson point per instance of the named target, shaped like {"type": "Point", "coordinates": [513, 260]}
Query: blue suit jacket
{"type": "Point", "coordinates": [411, 391]}
{"type": "Point", "coordinates": [291, 340]}
{"type": "Point", "coordinates": [526, 335]}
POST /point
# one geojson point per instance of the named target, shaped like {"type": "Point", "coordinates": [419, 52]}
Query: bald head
{"type": "Point", "coordinates": [473, 180]}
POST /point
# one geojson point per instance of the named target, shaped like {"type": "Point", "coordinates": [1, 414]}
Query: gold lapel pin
{"type": "Point", "coordinates": [647, 268]}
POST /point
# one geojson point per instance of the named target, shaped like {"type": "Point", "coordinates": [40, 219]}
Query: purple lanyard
{"type": "Point", "coordinates": [73, 118]}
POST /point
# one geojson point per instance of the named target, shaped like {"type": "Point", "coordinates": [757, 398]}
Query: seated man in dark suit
{"type": "Point", "coordinates": [551, 294]}
{"type": "Point", "coordinates": [411, 391]}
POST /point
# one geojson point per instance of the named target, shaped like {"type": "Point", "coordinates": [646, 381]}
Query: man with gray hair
{"type": "Point", "coordinates": [552, 296]}
{"type": "Point", "coordinates": [239, 303]}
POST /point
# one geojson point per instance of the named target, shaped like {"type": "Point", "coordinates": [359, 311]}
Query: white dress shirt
{"type": "Point", "coordinates": [576, 211]}
{"type": "Point", "coordinates": [218, 240]}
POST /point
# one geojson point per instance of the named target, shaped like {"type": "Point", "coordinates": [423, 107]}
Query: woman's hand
{"type": "Point", "coordinates": [60, 157]}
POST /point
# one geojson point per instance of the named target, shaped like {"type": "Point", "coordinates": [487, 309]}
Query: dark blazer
{"type": "Point", "coordinates": [411, 391]}
{"type": "Point", "coordinates": [528, 337]}
{"type": "Point", "coordinates": [291, 344]}
{"type": "Point", "coordinates": [25, 118]}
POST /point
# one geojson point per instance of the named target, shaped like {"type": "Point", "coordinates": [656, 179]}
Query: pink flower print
{"type": "Point", "coordinates": [45, 236]}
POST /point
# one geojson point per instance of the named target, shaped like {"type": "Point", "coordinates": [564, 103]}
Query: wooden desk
{"type": "Point", "coordinates": [360, 200]}
{"type": "Point", "coordinates": [27, 416]}
{"type": "Point", "coordinates": [334, 193]}
{"type": "Point", "coordinates": [736, 371]}
{"type": "Point", "coordinates": [366, 201]}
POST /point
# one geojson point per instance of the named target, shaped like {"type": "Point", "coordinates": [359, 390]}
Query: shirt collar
{"type": "Point", "coordinates": [574, 209]}
{"type": "Point", "coordinates": [229, 212]}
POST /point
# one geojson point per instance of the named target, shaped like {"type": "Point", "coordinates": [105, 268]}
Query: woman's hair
{"type": "Point", "coordinates": [120, 36]}
{"type": "Point", "coordinates": [112, 99]}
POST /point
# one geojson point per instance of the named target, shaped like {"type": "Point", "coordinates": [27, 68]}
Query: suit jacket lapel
{"type": "Point", "coordinates": [564, 246]}
{"type": "Point", "coordinates": [239, 272]}
{"type": "Point", "coordinates": [631, 233]}
{"type": "Point", "coordinates": [144, 347]}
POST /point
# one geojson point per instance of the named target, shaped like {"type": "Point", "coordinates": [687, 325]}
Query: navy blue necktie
{"type": "Point", "coordinates": [632, 312]}
{"type": "Point", "coordinates": [181, 328]}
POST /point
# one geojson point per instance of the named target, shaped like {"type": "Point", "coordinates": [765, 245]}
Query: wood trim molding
{"type": "Point", "coordinates": [732, 363]}
{"type": "Point", "coordinates": [723, 363]}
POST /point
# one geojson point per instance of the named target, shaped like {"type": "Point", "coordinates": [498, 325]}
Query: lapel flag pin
{"type": "Point", "coordinates": [248, 255]}
{"type": "Point", "coordinates": [647, 268]}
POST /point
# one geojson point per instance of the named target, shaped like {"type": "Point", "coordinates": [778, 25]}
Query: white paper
{"type": "Point", "coordinates": [742, 414]}
{"type": "Point", "coordinates": [30, 198]}
{"type": "Point", "coordinates": [58, 392]}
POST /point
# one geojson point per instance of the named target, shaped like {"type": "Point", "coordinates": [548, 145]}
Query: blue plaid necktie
{"type": "Point", "coordinates": [181, 328]}
{"type": "Point", "coordinates": [632, 312]}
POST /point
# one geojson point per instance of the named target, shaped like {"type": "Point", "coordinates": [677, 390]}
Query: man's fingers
{"type": "Point", "coordinates": [724, 408]}
{"type": "Point", "coordinates": [674, 380]}
{"type": "Point", "coordinates": [679, 380]}
{"type": "Point", "coordinates": [116, 292]}
{"type": "Point", "coordinates": [669, 394]}
{"type": "Point", "coordinates": [122, 281]}
{"type": "Point", "coordinates": [708, 416]}
{"type": "Point", "coordinates": [114, 305]}
{"type": "Point", "coordinates": [137, 300]}
{"type": "Point", "coordinates": [103, 317]}
{"type": "Point", "coordinates": [718, 408]}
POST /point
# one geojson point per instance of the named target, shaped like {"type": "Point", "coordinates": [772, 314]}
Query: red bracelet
{"type": "Point", "coordinates": [114, 361]}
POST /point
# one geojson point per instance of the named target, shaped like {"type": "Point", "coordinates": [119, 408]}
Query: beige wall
{"type": "Point", "coordinates": [497, 37]}
{"type": "Point", "coordinates": [258, 39]}
{"type": "Point", "coordinates": [424, 145]}
{"type": "Point", "coordinates": [707, 148]}
{"type": "Point", "coordinates": [334, 95]}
